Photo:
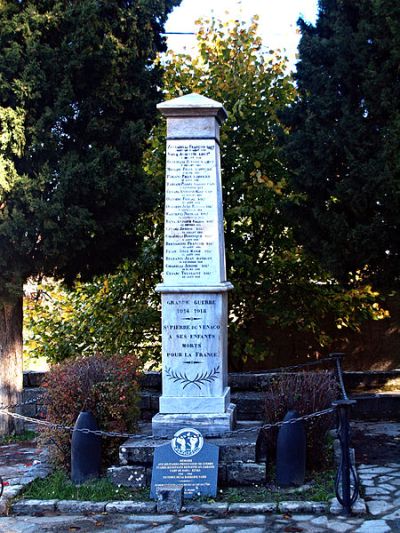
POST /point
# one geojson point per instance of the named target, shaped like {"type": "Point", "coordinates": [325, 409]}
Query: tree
{"type": "Point", "coordinates": [78, 91]}
{"type": "Point", "coordinates": [344, 140]}
{"type": "Point", "coordinates": [276, 284]}
{"type": "Point", "coordinates": [114, 314]}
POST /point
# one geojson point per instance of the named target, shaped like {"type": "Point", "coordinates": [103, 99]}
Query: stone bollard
{"type": "Point", "coordinates": [169, 498]}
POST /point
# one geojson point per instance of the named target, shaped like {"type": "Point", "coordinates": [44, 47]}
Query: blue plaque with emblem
{"type": "Point", "coordinates": [189, 461]}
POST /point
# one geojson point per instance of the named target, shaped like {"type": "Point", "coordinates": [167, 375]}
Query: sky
{"type": "Point", "coordinates": [277, 24]}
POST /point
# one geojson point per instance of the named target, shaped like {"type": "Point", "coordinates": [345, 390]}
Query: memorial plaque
{"type": "Point", "coordinates": [194, 353]}
{"type": "Point", "coordinates": [189, 461]}
{"type": "Point", "coordinates": [193, 240]}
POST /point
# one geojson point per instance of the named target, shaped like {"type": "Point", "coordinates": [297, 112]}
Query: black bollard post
{"type": "Point", "coordinates": [346, 471]}
{"type": "Point", "coordinates": [291, 452]}
{"type": "Point", "coordinates": [85, 450]}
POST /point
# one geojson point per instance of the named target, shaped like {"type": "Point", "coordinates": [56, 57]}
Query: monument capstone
{"type": "Point", "coordinates": [194, 292]}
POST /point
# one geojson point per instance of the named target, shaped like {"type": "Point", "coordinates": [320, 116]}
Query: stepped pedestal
{"type": "Point", "coordinates": [241, 458]}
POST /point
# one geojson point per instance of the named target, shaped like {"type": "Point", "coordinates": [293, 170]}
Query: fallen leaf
{"type": "Point", "coordinates": [197, 518]}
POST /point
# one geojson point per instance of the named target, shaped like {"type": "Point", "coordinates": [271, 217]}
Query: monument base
{"type": "Point", "coordinates": [196, 404]}
{"type": "Point", "coordinates": [241, 458]}
{"type": "Point", "coordinates": [209, 424]}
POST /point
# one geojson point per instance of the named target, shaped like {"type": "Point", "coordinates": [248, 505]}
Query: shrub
{"type": "Point", "coordinates": [106, 386]}
{"type": "Point", "coordinates": [306, 392]}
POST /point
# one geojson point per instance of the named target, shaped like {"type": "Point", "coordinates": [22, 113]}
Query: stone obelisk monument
{"type": "Point", "coordinates": [194, 291]}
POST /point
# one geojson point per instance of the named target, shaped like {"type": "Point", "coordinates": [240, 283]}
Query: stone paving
{"type": "Point", "coordinates": [381, 489]}
{"type": "Point", "coordinates": [20, 464]}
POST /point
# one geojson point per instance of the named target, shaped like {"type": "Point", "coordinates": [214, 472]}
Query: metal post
{"type": "Point", "coordinates": [346, 471]}
{"type": "Point", "coordinates": [339, 372]}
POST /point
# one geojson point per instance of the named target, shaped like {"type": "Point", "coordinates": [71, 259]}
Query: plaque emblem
{"type": "Point", "coordinates": [187, 442]}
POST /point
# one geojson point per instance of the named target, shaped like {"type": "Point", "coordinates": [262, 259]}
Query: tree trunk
{"type": "Point", "coordinates": [11, 375]}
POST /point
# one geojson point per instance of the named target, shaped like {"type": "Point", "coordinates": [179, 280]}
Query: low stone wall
{"type": "Point", "coordinates": [249, 396]}
{"type": "Point", "coordinates": [354, 380]}
{"type": "Point", "coordinates": [357, 381]}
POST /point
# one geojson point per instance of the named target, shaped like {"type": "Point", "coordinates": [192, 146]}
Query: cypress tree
{"type": "Point", "coordinates": [343, 146]}
{"type": "Point", "coordinates": [78, 90]}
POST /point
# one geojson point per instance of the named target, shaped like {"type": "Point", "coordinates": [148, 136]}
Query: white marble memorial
{"type": "Point", "coordinates": [194, 289]}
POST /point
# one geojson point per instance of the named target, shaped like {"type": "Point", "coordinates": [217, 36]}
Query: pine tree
{"type": "Point", "coordinates": [343, 147]}
{"type": "Point", "coordinates": [78, 90]}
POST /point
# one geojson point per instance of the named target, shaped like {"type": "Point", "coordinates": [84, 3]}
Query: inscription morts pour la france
{"type": "Point", "coordinates": [194, 289]}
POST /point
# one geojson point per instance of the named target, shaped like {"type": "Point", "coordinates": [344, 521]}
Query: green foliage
{"type": "Point", "coordinates": [78, 90]}
{"type": "Point", "coordinates": [116, 314]}
{"type": "Point", "coordinates": [26, 435]}
{"type": "Point", "coordinates": [12, 141]}
{"type": "Point", "coordinates": [320, 488]}
{"type": "Point", "coordinates": [59, 486]}
{"type": "Point", "coordinates": [277, 285]}
{"type": "Point", "coordinates": [344, 139]}
{"type": "Point", "coordinates": [105, 386]}
{"type": "Point", "coordinates": [306, 393]}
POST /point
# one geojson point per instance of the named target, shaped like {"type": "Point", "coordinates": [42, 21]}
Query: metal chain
{"type": "Point", "coordinates": [333, 357]}
{"type": "Point", "coordinates": [328, 359]}
{"type": "Point", "coordinates": [102, 433]}
{"type": "Point", "coordinates": [21, 404]}
{"type": "Point", "coordinates": [323, 412]}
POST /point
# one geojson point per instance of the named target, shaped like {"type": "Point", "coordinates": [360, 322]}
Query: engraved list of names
{"type": "Point", "coordinates": [194, 291]}
{"type": "Point", "coordinates": [191, 251]}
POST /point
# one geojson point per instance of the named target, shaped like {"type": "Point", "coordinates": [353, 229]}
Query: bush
{"type": "Point", "coordinates": [106, 386]}
{"type": "Point", "coordinates": [305, 392]}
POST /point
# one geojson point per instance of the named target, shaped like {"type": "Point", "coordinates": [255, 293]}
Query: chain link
{"type": "Point", "coordinates": [102, 433]}
{"type": "Point", "coordinates": [323, 412]}
{"type": "Point", "coordinates": [5, 410]}
{"type": "Point", "coordinates": [21, 404]}
{"type": "Point", "coordinates": [329, 359]}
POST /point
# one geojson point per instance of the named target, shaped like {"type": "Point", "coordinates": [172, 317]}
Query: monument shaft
{"type": "Point", "coordinates": [194, 290]}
